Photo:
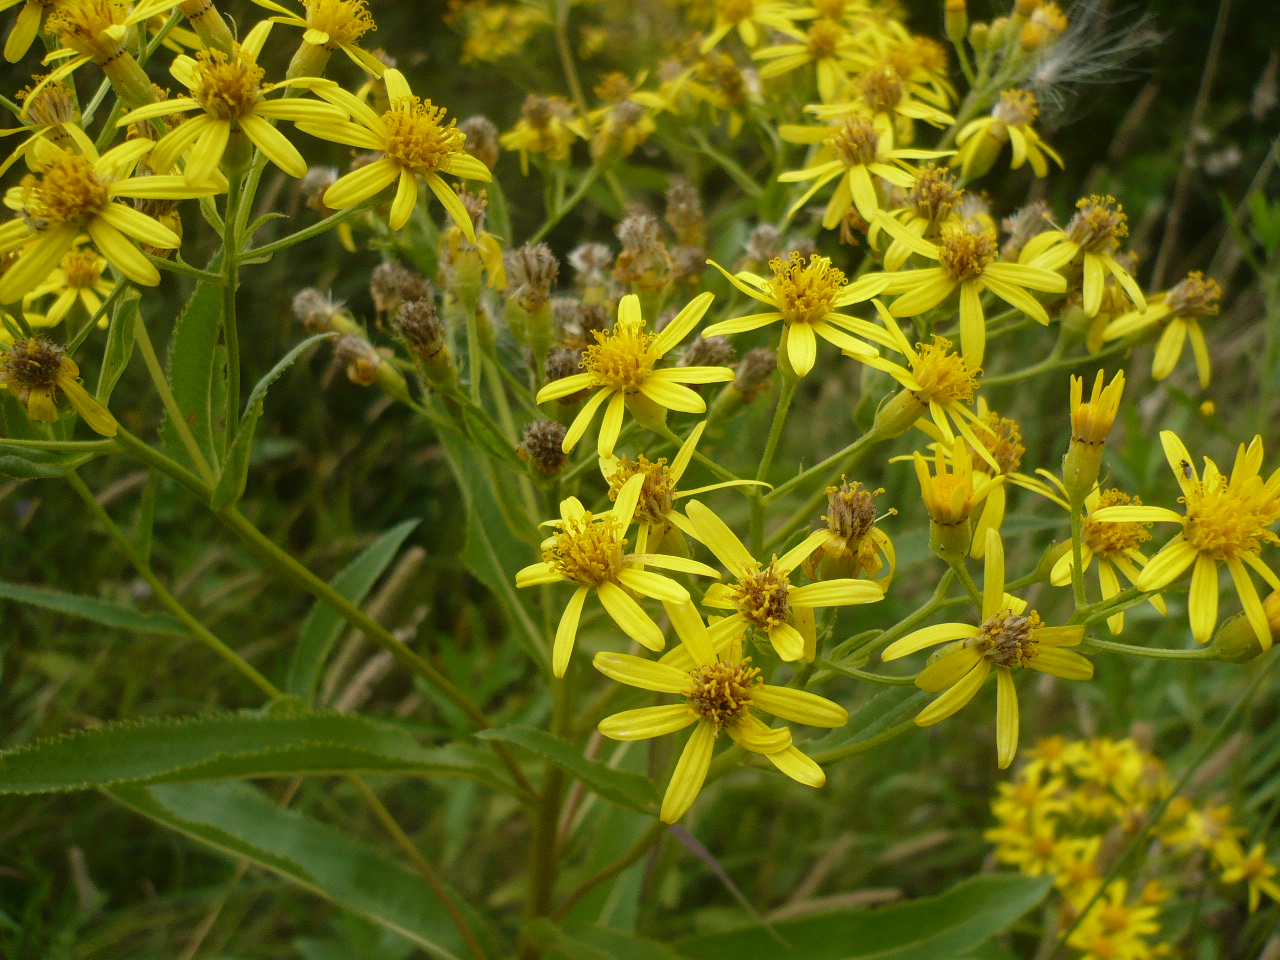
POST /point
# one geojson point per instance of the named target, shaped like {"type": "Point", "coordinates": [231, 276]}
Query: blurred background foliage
{"type": "Point", "coordinates": [82, 878]}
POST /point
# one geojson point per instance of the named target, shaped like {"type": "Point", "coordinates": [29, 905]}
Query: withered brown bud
{"type": "Point", "coordinates": [594, 317]}
{"type": "Point", "coordinates": [315, 310]}
{"type": "Point", "coordinates": [392, 283]}
{"type": "Point", "coordinates": [541, 446]}
{"type": "Point", "coordinates": [591, 263]}
{"type": "Point", "coordinates": [360, 357]}
{"type": "Point", "coordinates": [1025, 223]}
{"type": "Point", "coordinates": [314, 184]}
{"type": "Point", "coordinates": [684, 213]}
{"type": "Point", "coordinates": [708, 352]}
{"type": "Point", "coordinates": [563, 362]}
{"type": "Point", "coordinates": [644, 261]}
{"type": "Point", "coordinates": [482, 139]}
{"type": "Point", "coordinates": [565, 312]}
{"type": "Point", "coordinates": [531, 272]}
{"type": "Point", "coordinates": [418, 325]}
{"type": "Point", "coordinates": [754, 371]}
{"type": "Point", "coordinates": [764, 243]}
{"type": "Point", "coordinates": [688, 264]}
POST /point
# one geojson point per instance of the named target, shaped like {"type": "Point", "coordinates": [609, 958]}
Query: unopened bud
{"type": "Point", "coordinates": [418, 325]}
{"type": "Point", "coordinates": [532, 271]}
{"type": "Point", "coordinates": [1049, 559]}
{"type": "Point", "coordinates": [707, 352]}
{"type": "Point", "coordinates": [999, 32]}
{"type": "Point", "coordinates": [980, 36]}
{"type": "Point", "coordinates": [542, 447]}
{"type": "Point", "coordinates": [1091, 423]}
{"type": "Point", "coordinates": [1237, 642]}
{"type": "Point", "coordinates": [392, 283]}
{"type": "Point", "coordinates": [898, 414]}
{"type": "Point", "coordinates": [955, 16]}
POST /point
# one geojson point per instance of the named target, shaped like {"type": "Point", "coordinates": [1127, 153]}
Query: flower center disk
{"type": "Point", "coordinates": [586, 551]}
{"type": "Point", "coordinates": [721, 691]}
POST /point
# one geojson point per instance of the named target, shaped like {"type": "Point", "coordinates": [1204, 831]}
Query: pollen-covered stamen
{"type": "Point", "coordinates": [965, 255]}
{"type": "Point", "coordinates": [1227, 520]}
{"type": "Point", "coordinates": [943, 374]}
{"type": "Point", "coordinates": [52, 105]}
{"type": "Point", "coordinates": [1098, 224]}
{"type": "Point", "coordinates": [227, 87]}
{"type": "Point", "coordinates": [1003, 440]}
{"type": "Point", "coordinates": [805, 291]}
{"type": "Point", "coordinates": [881, 89]}
{"type": "Point", "coordinates": [1009, 638]}
{"type": "Point", "coordinates": [762, 597]}
{"type": "Point", "coordinates": [655, 491]}
{"type": "Point", "coordinates": [32, 364]}
{"type": "Point", "coordinates": [721, 691]}
{"type": "Point", "coordinates": [587, 550]}
{"type": "Point", "coordinates": [856, 142]}
{"type": "Point", "coordinates": [823, 38]}
{"type": "Point", "coordinates": [1114, 539]}
{"type": "Point", "coordinates": [934, 194]}
{"type": "Point", "coordinates": [82, 268]}
{"type": "Point", "coordinates": [85, 26]}
{"type": "Point", "coordinates": [418, 137]}
{"type": "Point", "coordinates": [345, 21]}
{"type": "Point", "coordinates": [851, 510]}
{"type": "Point", "coordinates": [1194, 297]}
{"type": "Point", "coordinates": [1017, 108]}
{"type": "Point", "coordinates": [621, 358]}
{"type": "Point", "coordinates": [69, 190]}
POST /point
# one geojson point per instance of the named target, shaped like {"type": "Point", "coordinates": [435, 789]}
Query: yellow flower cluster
{"type": "Point", "coordinates": [1076, 804]}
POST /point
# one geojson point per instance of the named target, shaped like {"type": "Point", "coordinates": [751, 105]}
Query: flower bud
{"type": "Point", "coordinates": [1091, 423]}
{"type": "Point", "coordinates": [482, 139]}
{"type": "Point", "coordinates": [955, 16]}
{"type": "Point", "coordinates": [418, 326]}
{"type": "Point", "coordinates": [392, 283]}
{"type": "Point", "coordinates": [980, 36]}
{"type": "Point", "coordinates": [1237, 642]}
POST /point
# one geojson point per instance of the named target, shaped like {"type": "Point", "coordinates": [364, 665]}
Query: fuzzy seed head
{"type": "Point", "coordinates": [1017, 108]}
{"type": "Point", "coordinates": [1098, 224]}
{"type": "Point", "coordinates": [541, 446]}
{"type": "Point", "coordinates": [1008, 639]}
{"type": "Point", "coordinates": [417, 323]}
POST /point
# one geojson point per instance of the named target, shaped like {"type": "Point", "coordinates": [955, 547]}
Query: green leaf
{"type": "Point", "coordinates": [192, 364]}
{"type": "Point", "coordinates": [234, 746]}
{"type": "Point", "coordinates": [240, 821]}
{"type": "Point", "coordinates": [29, 463]}
{"type": "Point", "coordinates": [625, 789]}
{"type": "Point", "coordinates": [592, 942]}
{"type": "Point", "coordinates": [106, 612]}
{"type": "Point", "coordinates": [491, 552]}
{"type": "Point", "coordinates": [323, 626]}
{"type": "Point", "coordinates": [120, 340]}
{"type": "Point", "coordinates": [235, 472]}
{"type": "Point", "coordinates": [887, 709]}
{"type": "Point", "coordinates": [934, 928]}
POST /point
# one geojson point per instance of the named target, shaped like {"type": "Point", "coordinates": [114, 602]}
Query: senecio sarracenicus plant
{"type": "Point", "coordinates": [739, 453]}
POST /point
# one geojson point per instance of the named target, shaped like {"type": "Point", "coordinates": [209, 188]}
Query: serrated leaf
{"type": "Point", "coordinates": [29, 463]}
{"type": "Point", "coordinates": [191, 367]}
{"type": "Point", "coordinates": [491, 552]}
{"type": "Point", "coordinates": [323, 625]}
{"type": "Point", "coordinates": [625, 789]}
{"type": "Point", "coordinates": [242, 822]}
{"type": "Point", "coordinates": [235, 471]}
{"type": "Point", "coordinates": [887, 709]}
{"type": "Point", "coordinates": [119, 348]}
{"type": "Point", "coordinates": [934, 928]}
{"type": "Point", "coordinates": [106, 612]}
{"type": "Point", "coordinates": [234, 746]}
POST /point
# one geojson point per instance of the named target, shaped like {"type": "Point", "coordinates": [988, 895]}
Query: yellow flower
{"type": "Point", "coordinates": [1254, 869]}
{"type": "Point", "coordinates": [547, 126]}
{"type": "Point", "coordinates": [26, 28]}
{"type": "Point", "coordinates": [883, 94]}
{"type": "Point", "coordinates": [77, 194]}
{"type": "Point", "coordinates": [1179, 310]}
{"type": "Point", "coordinates": [330, 25]}
{"type": "Point", "coordinates": [49, 115]}
{"type": "Point", "coordinates": [230, 92]}
{"type": "Point", "coordinates": [966, 262]}
{"type": "Point", "coordinates": [1008, 637]}
{"type": "Point", "coordinates": [749, 18]}
{"type": "Point", "coordinates": [37, 371]}
{"type": "Point", "coordinates": [1031, 844]}
{"type": "Point", "coordinates": [721, 691]}
{"type": "Point", "coordinates": [95, 31]}
{"type": "Point", "coordinates": [1090, 241]}
{"type": "Point", "coordinates": [950, 498]}
{"type": "Point", "coordinates": [1010, 121]}
{"type": "Point", "coordinates": [656, 514]}
{"type": "Point", "coordinates": [1114, 929]}
{"type": "Point", "coordinates": [414, 142]}
{"type": "Point", "coordinates": [855, 546]}
{"type": "Point", "coordinates": [944, 388]}
{"type": "Point", "coordinates": [587, 551]}
{"type": "Point", "coordinates": [619, 366]}
{"type": "Point", "coordinates": [764, 597]}
{"type": "Point", "coordinates": [853, 150]}
{"type": "Point", "coordinates": [1226, 521]}
{"type": "Point", "coordinates": [1091, 423]}
{"type": "Point", "coordinates": [78, 279]}
{"type": "Point", "coordinates": [931, 208]}
{"type": "Point", "coordinates": [826, 43]}
{"type": "Point", "coordinates": [806, 298]}
{"type": "Point", "coordinates": [1116, 546]}
{"type": "Point", "coordinates": [456, 249]}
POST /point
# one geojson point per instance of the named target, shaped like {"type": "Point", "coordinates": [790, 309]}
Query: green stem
{"type": "Point", "coordinates": [185, 269]}
{"type": "Point", "coordinates": [1057, 362]}
{"type": "Point", "coordinates": [966, 580]}
{"type": "Point", "coordinates": [170, 402]}
{"type": "Point", "coordinates": [410, 850]}
{"type": "Point", "coordinates": [198, 630]}
{"type": "Point", "coordinates": [567, 62]}
{"type": "Point", "coordinates": [1151, 653]}
{"type": "Point", "coordinates": [166, 465]}
{"type": "Point", "coordinates": [852, 450]}
{"type": "Point", "coordinates": [785, 396]}
{"type": "Point", "coordinates": [866, 675]}
{"type": "Point", "coordinates": [70, 446]}
{"type": "Point", "coordinates": [1077, 555]}
{"type": "Point", "coordinates": [475, 355]}
{"type": "Point", "coordinates": [315, 230]}
{"type": "Point", "coordinates": [652, 834]}
{"type": "Point", "coordinates": [561, 211]}
{"type": "Point", "coordinates": [718, 471]}
{"type": "Point", "coordinates": [853, 749]}
{"type": "Point", "coordinates": [230, 332]}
